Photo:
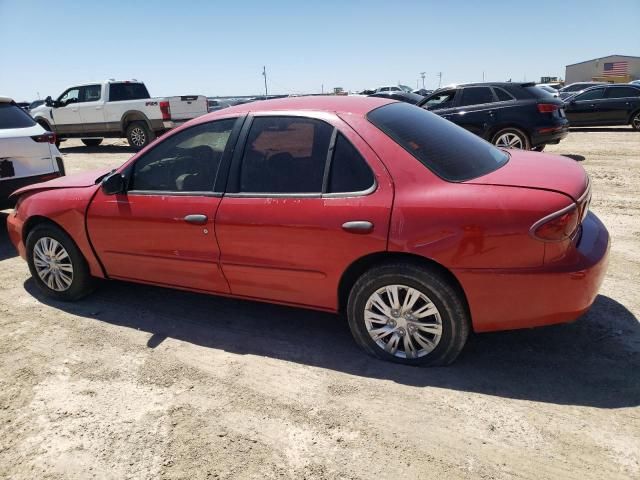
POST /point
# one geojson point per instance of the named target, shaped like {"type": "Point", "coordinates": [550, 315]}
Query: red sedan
{"type": "Point", "coordinates": [415, 228]}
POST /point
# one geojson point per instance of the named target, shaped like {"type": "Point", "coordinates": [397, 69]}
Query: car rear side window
{"type": "Point", "coordinates": [502, 94]}
{"type": "Point", "coordinates": [476, 96]}
{"type": "Point", "coordinates": [127, 91]}
{"type": "Point", "coordinates": [90, 93]}
{"type": "Point", "coordinates": [285, 155]}
{"type": "Point", "coordinates": [349, 171]}
{"type": "Point", "coordinates": [451, 152]}
{"type": "Point", "coordinates": [186, 162]}
{"type": "Point", "coordinates": [622, 92]}
{"type": "Point", "coordinates": [12, 116]}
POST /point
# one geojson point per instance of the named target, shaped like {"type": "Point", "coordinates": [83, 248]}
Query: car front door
{"type": "Point", "coordinates": [91, 107]}
{"type": "Point", "coordinates": [476, 111]}
{"type": "Point", "coordinates": [584, 109]}
{"type": "Point", "coordinates": [161, 230]}
{"type": "Point", "coordinates": [66, 114]}
{"type": "Point", "coordinates": [306, 198]}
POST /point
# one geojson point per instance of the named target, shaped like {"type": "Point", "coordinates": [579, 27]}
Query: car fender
{"type": "Point", "coordinates": [133, 116]}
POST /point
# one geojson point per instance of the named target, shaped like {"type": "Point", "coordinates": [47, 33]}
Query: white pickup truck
{"type": "Point", "coordinates": [115, 109]}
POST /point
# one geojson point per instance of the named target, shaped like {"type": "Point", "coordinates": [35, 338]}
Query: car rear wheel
{"type": "Point", "coordinates": [635, 121]}
{"type": "Point", "coordinates": [92, 142]}
{"type": "Point", "coordinates": [511, 138]}
{"type": "Point", "coordinates": [139, 135]}
{"type": "Point", "coordinates": [56, 264]}
{"type": "Point", "coordinates": [407, 314]}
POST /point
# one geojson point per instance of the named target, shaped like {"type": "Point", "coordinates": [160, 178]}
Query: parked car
{"type": "Point", "coordinates": [23, 105]}
{"type": "Point", "coordinates": [214, 105]}
{"type": "Point", "coordinates": [635, 82]}
{"type": "Point", "coordinates": [423, 91]}
{"type": "Point", "coordinates": [604, 105]}
{"type": "Point", "coordinates": [35, 103]}
{"type": "Point", "coordinates": [415, 228]}
{"type": "Point", "coordinates": [28, 153]}
{"type": "Point", "coordinates": [509, 115]}
{"type": "Point", "coordinates": [573, 88]}
{"type": "Point", "coordinates": [390, 88]}
{"type": "Point", "coordinates": [412, 98]}
{"type": "Point", "coordinates": [116, 109]}
{"type": "Point", "coordinates": [549, 89]}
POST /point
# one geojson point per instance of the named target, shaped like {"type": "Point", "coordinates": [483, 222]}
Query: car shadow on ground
{"type": "Point", "coordinates": [591, 362]}
{"type": "Point", "coordinates": [102, 149]}
{"type": "Point", "coordinates": [627, 129]}
{"type": "Point", "coordinates": [6, 248]}
{"type": "Point", "coordinates": [573, 156]}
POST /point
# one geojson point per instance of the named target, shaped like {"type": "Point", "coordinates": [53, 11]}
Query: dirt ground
{"type": "Point", "coordinates": [143, 382]}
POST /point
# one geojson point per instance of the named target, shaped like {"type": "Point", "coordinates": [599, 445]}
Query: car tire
{"type": "Point", "coordinates": [71, 279]}
{"type": "Point", "coordinates": [511, 138]}
{"type": "Point", "coordinates": [539, 148]}
{"type": "Point", "coordinates": [138, 135]}
{"type": "Point", "coordinates": [440, 336]}
{"type": "Point", "coordinates": [92, 142]}
{"type": "Point", "coordinates": [635, 121]}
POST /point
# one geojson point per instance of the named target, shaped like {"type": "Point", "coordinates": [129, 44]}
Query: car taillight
{"type": "Point", "coordinates": [165, 110]}
{"type": "Point", "coordinates": [557, 226]}
{"type": "Point", "coordinates": [48, 137]}
{"type": "Point", "coordinates": [548, 107]}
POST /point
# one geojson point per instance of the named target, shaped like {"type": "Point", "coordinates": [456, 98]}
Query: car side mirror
{"type": "Point", "coordinates": [113, 183]}
{"type": "Point", "coordinates": [48, 101]}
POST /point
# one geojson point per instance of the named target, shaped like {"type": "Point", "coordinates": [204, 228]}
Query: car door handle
{"type": "Point", "coordinates": [358, 226]}
{"type": "Point", "coordinates": [99, 107]}
{"type": "Point", "coordinates": [196, 219]}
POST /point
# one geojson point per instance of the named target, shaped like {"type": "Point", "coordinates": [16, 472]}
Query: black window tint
{"type": "Point", "coordinates": [451, 152]}
{"type": "Point", "coordinates": [127, 91]}
{"type": "Point", "coordinates": [185, 162]}
{"type": "Point", "coordinates": [12, 116]}
{"type": "Point", "coordinates": [349, 171]}
{"type": "Point", "coordinates": [622, 92]}
{"type": "Point", "coordinates": [594, 94]}
{"type": "Point", "coordinates": [440, 100]}
{"type": "Point", "coordinates": [503, 95]}
{"type": "Point", "coordinates": [285, 155]}
{"type": "Point", "coordinates": [90, 93]}
{"type": "Point", "coordinates": [476, 96]}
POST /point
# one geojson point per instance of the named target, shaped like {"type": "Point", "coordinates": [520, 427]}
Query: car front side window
{"type": "Point", "coordinates": [186, 162]}
{"type": "Point", "coordinates": [595, 94]}
{"type": "Point", "coordinates": [70, 96]}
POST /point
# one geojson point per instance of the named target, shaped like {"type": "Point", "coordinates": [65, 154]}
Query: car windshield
{"type": "Point", "coordinates": [451, 152]}
{"type": "Point", "coordinates": [12, 116]}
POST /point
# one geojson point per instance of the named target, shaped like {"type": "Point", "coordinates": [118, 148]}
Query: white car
{"type": "Point", "coordinates": [116, 109]}
{"type": "Point", "coordinates": [28, 153]}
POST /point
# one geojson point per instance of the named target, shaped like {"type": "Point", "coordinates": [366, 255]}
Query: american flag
{"type": "Point", "coordinates": [614, 69]}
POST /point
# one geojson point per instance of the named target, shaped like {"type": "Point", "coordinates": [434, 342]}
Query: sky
{"type": "Point", "coordinates": [219, 47]}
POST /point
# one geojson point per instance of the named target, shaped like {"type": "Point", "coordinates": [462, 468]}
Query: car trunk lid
{"type": "Point", "coordinates": [539, 171]}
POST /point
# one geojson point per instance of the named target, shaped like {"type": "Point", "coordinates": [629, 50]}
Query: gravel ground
{"type": "Point", "coordinates": [143, 382]}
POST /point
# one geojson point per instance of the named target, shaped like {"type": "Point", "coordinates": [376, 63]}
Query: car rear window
{"type": "Point", "coordinates": [127, 91]}
{"type": "Point", "coordinates": [451, 152]}
{"type": "Point", "coordinates": [12, 116]}
{"type": "Point", "coordinates": [538, 92]}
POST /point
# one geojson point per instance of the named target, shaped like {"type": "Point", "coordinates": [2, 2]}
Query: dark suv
{"type": "Point", "coordinates": [509, 115]}
{"type": "Point", "coordinates": [605, 105]}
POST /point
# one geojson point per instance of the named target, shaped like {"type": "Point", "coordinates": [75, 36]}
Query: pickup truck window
{"type": "Point", "coordinates": [127, 91]}
{"type": "Point", "coordinates": [70, 96]}
{"type": "Point", "coordinates": [186, 162]}
{"type": "Point", "coordinates": [90, 93]}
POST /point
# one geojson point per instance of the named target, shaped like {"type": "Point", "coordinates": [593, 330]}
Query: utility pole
{"type": "Point", "coordinates": [264, 74]}
{"type": "Point", "coordinates": [423, 74]}
{"type": "Point", "coordinates": [483, 75]}
{"type": "Point", "coordinates": [439, 79]}
{"type": "Point", "coordinates": [322, 89]}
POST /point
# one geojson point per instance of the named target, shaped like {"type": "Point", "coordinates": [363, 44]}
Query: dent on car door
{"type": "Point", "coordinates": [306, 198]}
{"type": "Point", "coordinates": [161, 229]}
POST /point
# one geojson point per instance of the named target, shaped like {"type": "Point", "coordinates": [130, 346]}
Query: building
{"type": "Point", "coordinates": [614, 68]}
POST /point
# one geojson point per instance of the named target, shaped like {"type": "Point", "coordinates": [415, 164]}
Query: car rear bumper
{"type": "Point", "coordinates": [510, 299]}
{"type": "Point", "coordinates": [549, 135]}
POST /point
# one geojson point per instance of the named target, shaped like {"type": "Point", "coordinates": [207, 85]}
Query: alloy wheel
{"type": "Point", "coordinates": [403, 321]}
{"type": "Point", "coordinates": [509, 140]}
{"type": "Point", "coordinates": [138, 136]}
{"type": "Point", "coordinates": [53, 264]}
{"type": "Point", "coordinates": [636, 121]}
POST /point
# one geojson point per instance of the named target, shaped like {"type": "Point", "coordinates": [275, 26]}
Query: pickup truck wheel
{"type": "Point", "coordinates": [92, 142]}
{"type": "Point", "coordinates": [139, 135]}
{"type": "Point", "coordinates": [56, 264]}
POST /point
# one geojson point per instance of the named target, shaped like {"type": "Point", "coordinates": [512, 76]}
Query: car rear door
{"type": "Point", "coordinates": [620, 101]}
{"type": "Point", "coordinates": [161, 230]}
{"type": "Point", "coordinates": [476, 110]}
{"type": "Point", "coordinates": [91, 108]}
{"type": "Point", "coordinates": [306, 198]}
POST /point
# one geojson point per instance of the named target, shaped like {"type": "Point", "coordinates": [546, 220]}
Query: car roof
{"type": "Point", "coordinates": [337, 104]}
{"type": "Point", "coordinates": [5, 99]}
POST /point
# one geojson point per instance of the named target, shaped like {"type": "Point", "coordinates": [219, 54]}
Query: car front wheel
{"type": "Point", "coordinates": [56, 264]}
{"type": "Point", "coordinates": [511, 138]}
{"type": "Point", "coordinates": [407, 314]}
